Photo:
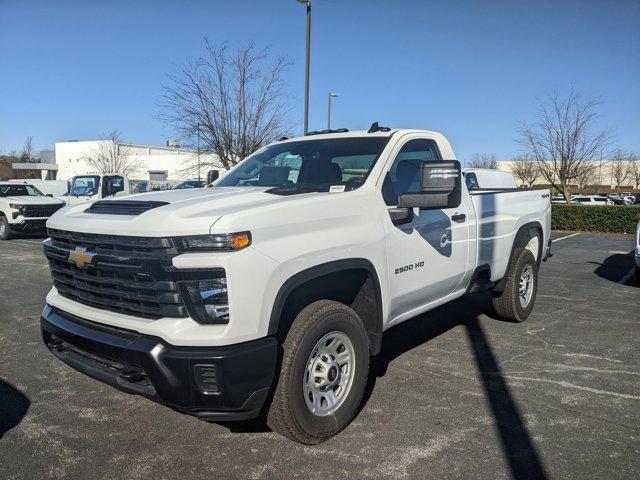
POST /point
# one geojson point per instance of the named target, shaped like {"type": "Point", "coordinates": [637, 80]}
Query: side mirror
{"type": "Point", "coordinates": [212, 176]}
{"type": "Point", "coordinates": [440, 187]}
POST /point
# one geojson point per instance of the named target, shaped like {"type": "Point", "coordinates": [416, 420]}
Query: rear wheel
{"type": "Point", "coordinates": [638, 275]}
{"type": "Point", "coordinates": [323, 375]}
{"type": "Point", "coordinates": [5, 229]}
{"type": "Point", "coordinates": [516, 301]}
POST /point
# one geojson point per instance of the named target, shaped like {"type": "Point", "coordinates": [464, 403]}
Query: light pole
{"type": "Point", "coordinates": [198, 154]}
{"type": "Point", "coordinates": [306, 66]}
{"type": "Point", "coordinates": [331, 95]}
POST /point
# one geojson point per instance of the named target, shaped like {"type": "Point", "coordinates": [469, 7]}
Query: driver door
{"type": "Point", "coordinates": [427, 257]}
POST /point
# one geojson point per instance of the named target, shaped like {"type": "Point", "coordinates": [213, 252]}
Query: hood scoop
{"type": "Point", "coordinates": [123, 207]}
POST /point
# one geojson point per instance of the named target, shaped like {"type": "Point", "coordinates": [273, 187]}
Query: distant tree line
{"type": "Point", "coordinates": [565, 148]}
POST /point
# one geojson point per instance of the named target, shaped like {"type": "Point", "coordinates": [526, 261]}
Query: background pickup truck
{"type": "Point", "coordinates": [268, 292]}
{"type": "Point", "coordinates": [24, 208]}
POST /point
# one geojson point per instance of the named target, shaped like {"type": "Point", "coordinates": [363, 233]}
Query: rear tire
{"type": "Point", "coordinates": [638, 275]}
{"type": "Point", "coordinates": [516, 301]}
{"type": "Point", "coordinates": [5, 228]}
{"type": "Point", "coordinates": [325, 365]}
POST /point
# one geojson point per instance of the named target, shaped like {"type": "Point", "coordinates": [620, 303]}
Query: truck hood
{"type": "Point", "coordinates": [31, 200]}
{"type": "Point", "coordinates": [188, 211]}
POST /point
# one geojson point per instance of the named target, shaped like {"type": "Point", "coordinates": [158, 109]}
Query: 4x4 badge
{"type": "Point", "coordinates": [81, 257]}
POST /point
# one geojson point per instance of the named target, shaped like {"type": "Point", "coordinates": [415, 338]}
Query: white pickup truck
{"type": "Point", "coordinates": [270, 291]}
{"type": "Point", "coordinates": [92, 187]}
{"type": "Point", "coordinates": [24, 208]}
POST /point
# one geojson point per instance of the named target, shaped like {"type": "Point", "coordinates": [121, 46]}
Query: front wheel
{"type": "Point", "coordinates": [324, 372]}
{"type": "Point", "coordinates": [516, 301]}
{"type": "Point", "coordinates": [5, 229]}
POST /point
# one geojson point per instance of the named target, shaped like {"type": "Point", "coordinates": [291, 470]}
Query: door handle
{"type": "Point", "coordinates": [458, 217]}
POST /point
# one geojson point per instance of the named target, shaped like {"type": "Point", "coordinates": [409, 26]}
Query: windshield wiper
{"type": "Point", "coordinates": [296, 189]}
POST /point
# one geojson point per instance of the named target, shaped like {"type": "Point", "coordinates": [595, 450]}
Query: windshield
{"type": "Point", "coordinates": [86, 185]}
{"type": "Point", "coordinates": [189, 184]}
{"type": "Point", "coordinates": [20, 191]}
{"type": "Point", "coordinates": [312, 165]}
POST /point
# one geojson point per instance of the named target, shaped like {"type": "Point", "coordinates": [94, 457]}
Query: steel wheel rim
{"type": "Point", "coordinates": [328, 374]}
{"type": "Point", "coordinates": [525, 290]}
{"type": "Point", "coordinates": [2, 229]}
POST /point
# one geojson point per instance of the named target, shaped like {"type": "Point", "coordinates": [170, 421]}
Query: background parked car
{"type": "Point", "coordinates": [590, 200]}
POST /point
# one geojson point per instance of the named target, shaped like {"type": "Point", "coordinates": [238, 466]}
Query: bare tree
{"type": "Point", "coordinates": [525, 169]}
{"type": "Point", "coordinates": [483, 160]}
{"type": "Point", "coordinates": [235, 99]}
{"type": "Point", "coordinates": [111, 156]}
{"type": "Point", "coordinates": [26, 156]}
{"type": "Point", "coordinates": [634, 169]}
{"type": "Point", "coordinates": [564, 142]}
{"type": "Point", "coordinates": [619, 167]}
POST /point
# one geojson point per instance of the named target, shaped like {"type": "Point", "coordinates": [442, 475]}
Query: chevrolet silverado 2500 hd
{"type": "Point", "coordinates": [24, 208]}
{"type": "Point", "coordinates": [270, 291]}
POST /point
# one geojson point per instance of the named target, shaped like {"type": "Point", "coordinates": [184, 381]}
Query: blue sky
{"type": "Point", "coordinates": [470, 69]}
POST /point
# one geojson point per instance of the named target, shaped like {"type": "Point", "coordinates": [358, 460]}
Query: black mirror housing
{"type": "Point", "coordinates": [212, 176]}
{"type": "Point", "coordinates": [440, 187]}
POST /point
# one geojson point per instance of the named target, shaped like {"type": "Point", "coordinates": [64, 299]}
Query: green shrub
{"type": "Point", "coordinates": [609, 219]}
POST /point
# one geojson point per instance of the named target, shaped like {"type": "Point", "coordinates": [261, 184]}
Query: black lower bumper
{"type": "Point", "coordinates": [29, 225]}
{"type": "Point", "coordinates": [213, 383]}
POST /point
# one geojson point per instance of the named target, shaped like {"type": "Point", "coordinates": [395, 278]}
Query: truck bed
{"type": "Point", "coordinates": [500, 214]}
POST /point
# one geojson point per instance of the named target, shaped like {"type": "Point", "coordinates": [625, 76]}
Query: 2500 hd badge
{"type": "Point", "coordinates": [406, 268]}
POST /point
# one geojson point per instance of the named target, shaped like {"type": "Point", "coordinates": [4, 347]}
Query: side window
{"type": "Point", "coordinates": [471, 180]}
{"type": "Point", "coordinates": [404, 174]}
{"type": "Point", "coordinates": [112, 185]}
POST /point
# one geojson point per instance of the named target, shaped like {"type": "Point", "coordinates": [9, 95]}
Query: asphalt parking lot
{"type": "Point", "coordinates": [456, 393]}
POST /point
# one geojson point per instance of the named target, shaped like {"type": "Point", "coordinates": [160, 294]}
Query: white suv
{"type": "Point", "coordinates": [24, 208]}
{"type": "Point", "coordinates": [591, 200]}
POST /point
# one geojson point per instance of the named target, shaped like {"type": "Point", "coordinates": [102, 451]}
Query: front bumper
{"type": "Point", "coordinates": [22, 224]}
{"type": "Point", "coordinates": [213, 383]}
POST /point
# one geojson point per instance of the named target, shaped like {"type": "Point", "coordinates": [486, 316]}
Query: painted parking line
{"type": "Point", "coordinates": [566, 236]}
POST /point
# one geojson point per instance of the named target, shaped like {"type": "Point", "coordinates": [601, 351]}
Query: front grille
{"type": "Point", "coordinates": [40, 211]}
{"type": "Point", "coordinates": [130, 275]}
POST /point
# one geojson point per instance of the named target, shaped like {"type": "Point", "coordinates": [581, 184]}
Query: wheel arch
{"type": "Point", "coordinates": [353, 281]}
{"type": "Point", "coordinates": [524, 234]}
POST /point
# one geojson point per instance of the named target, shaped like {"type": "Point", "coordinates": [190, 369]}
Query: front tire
{"type": "Point", "coordinates": [324, 372]}
{"type": "Point", "coordinates": [5, 228]}
{"type": "Point", "coordinates": [516, 301]}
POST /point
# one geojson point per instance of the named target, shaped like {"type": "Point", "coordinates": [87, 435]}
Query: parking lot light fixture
{"type": "Point", "coordinates": [306, 66]}
{"type": "Point", "coordinates": [331, 95]}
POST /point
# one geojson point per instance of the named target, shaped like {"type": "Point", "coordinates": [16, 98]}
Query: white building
{"type": "Point", "coordinates": [153, 163]}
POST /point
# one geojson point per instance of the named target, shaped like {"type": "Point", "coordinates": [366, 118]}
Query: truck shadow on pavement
{"type": "Point", "coordinates": [617, 268]}
{"type": "Point", "coordinates": [13, 407]}
{"type": "Point", "coordinates": [517, 446]}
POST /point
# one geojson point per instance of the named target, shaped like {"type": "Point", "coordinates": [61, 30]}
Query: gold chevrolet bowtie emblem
{"type": "Point", "coordinates": [81, 257]}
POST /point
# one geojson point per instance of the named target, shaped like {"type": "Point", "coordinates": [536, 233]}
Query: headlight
{"type": "Point", "coordinates": [17, 206]}
{"type": "Point", "coordinates": [208, 302]}
{"type": "Point", "coordinates": [211, 243]}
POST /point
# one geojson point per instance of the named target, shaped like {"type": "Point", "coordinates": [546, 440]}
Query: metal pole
{"type": "Point", "coordinates": [331, 95]}
{"type": "Point", "coordinates": [198, 153]}
{"type": "Point", "coordinates": [306, 67]}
